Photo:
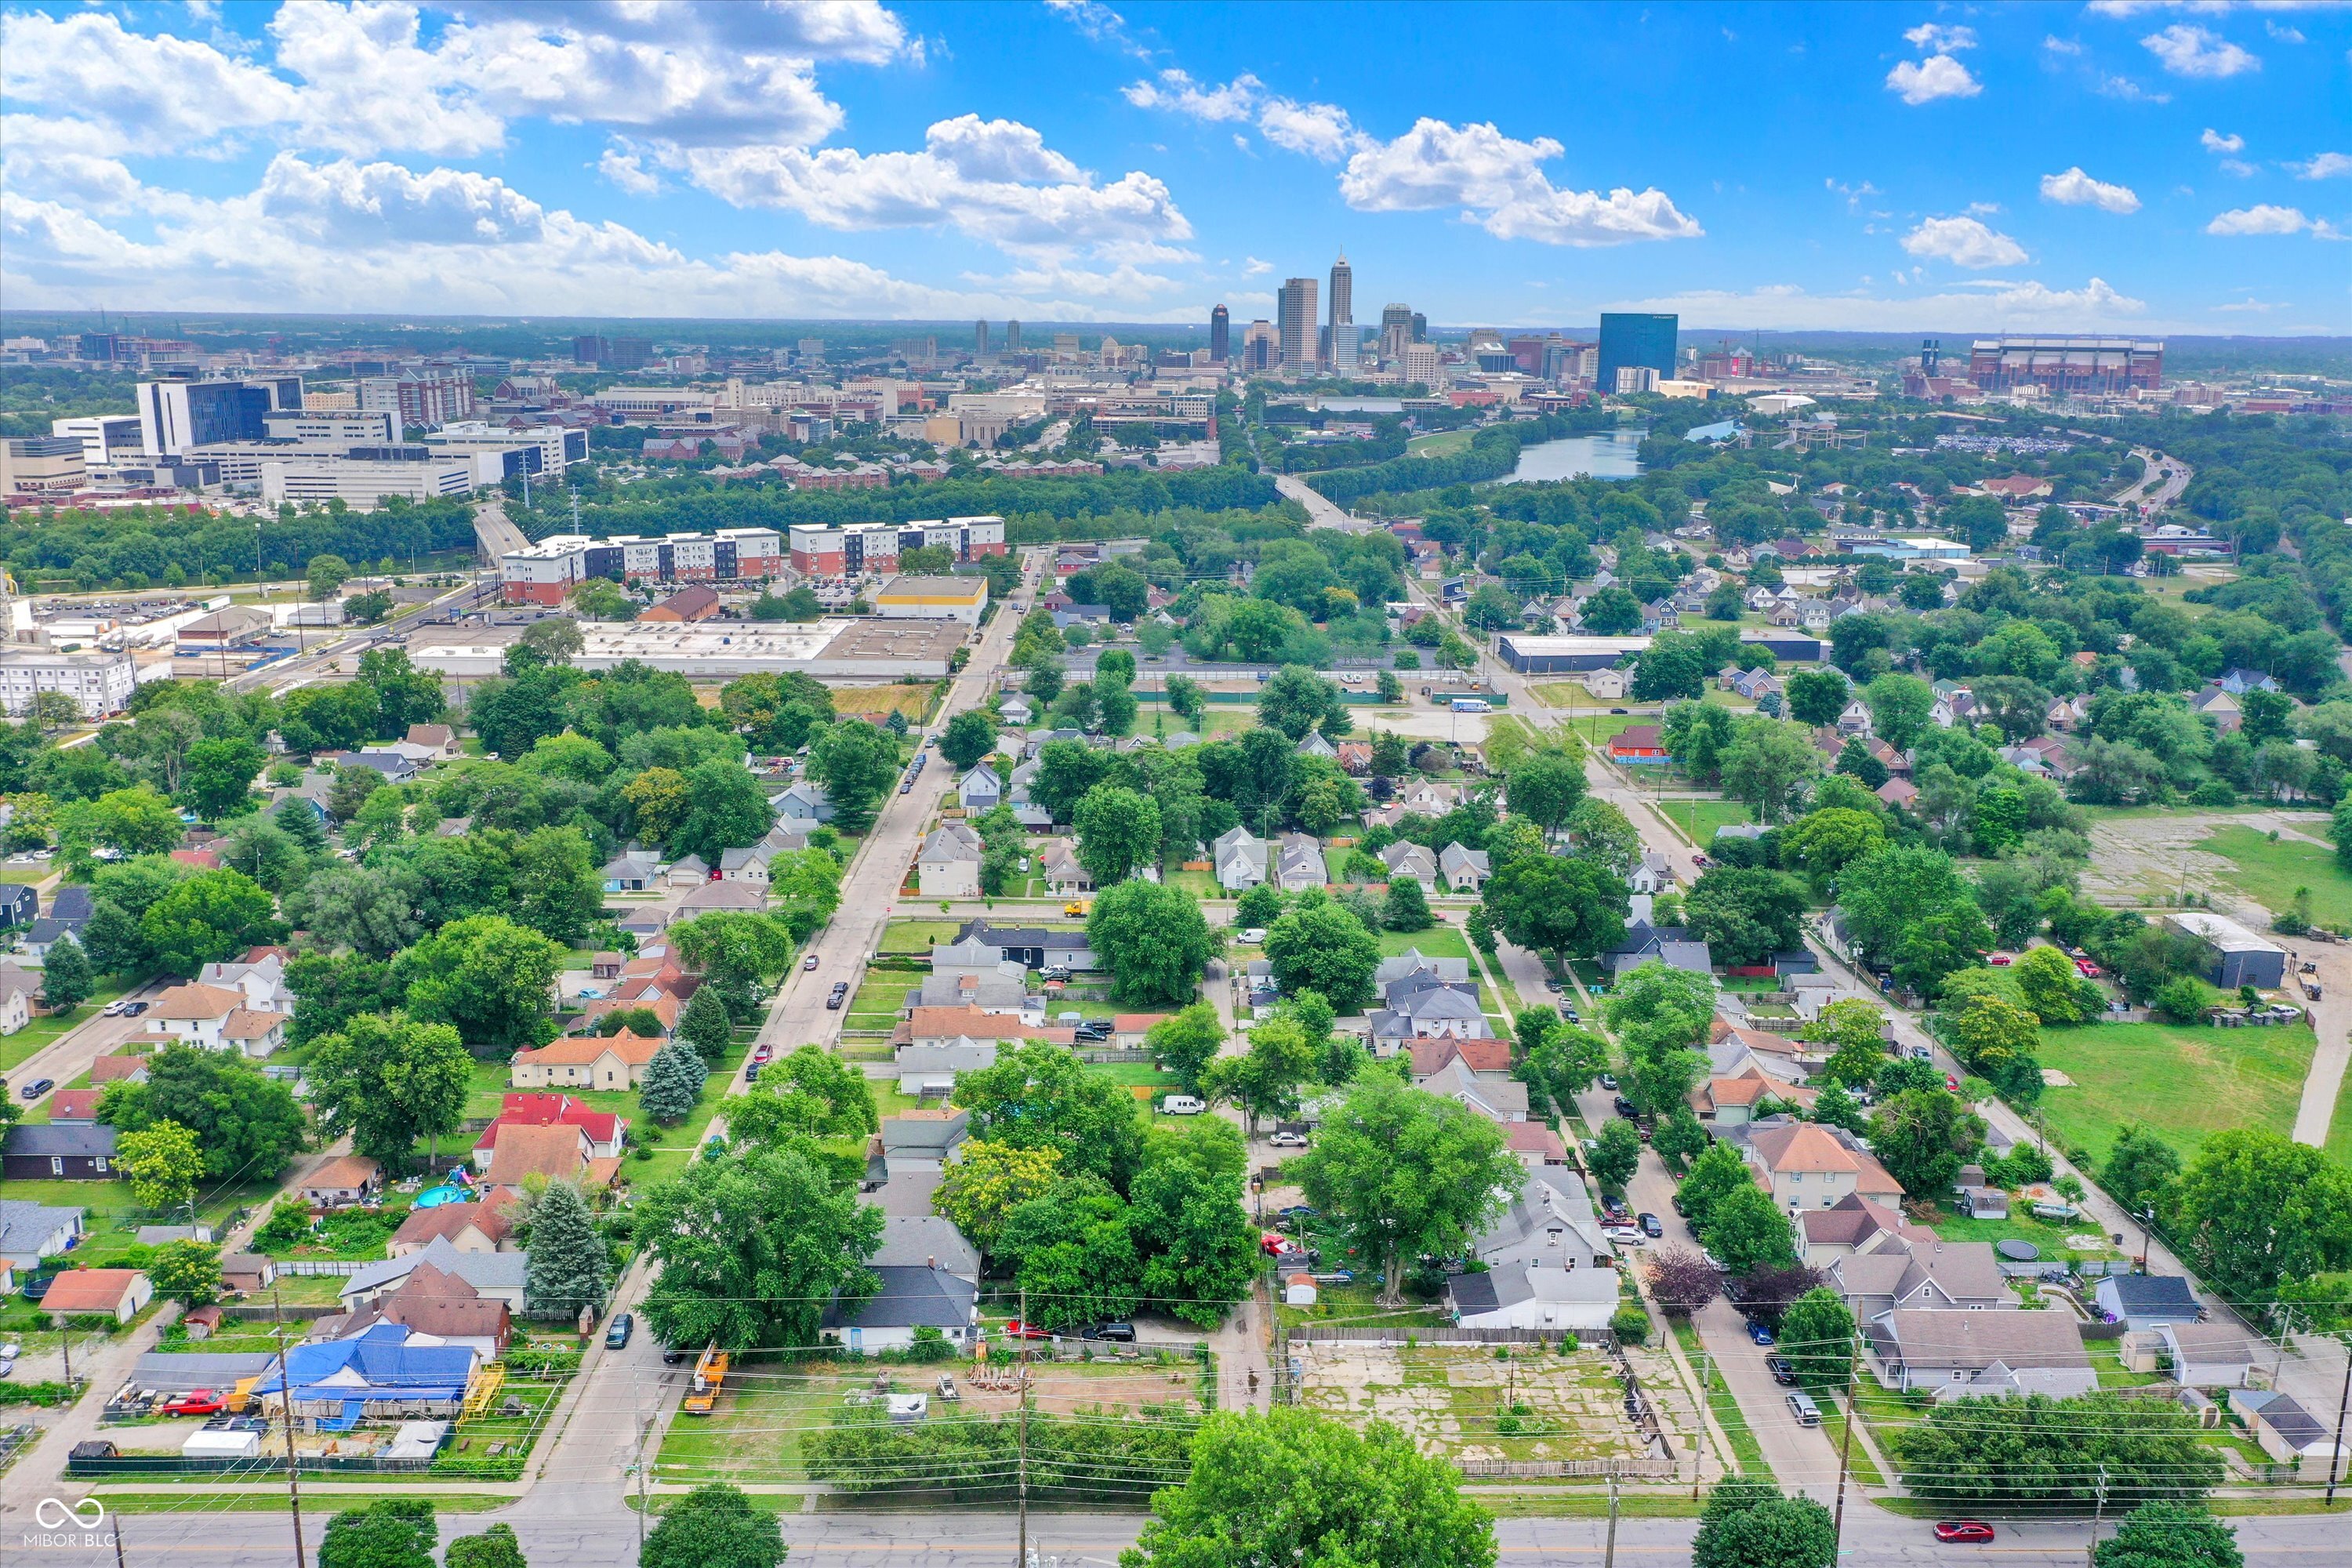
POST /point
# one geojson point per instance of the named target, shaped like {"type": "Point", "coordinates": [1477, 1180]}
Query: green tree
{"type": "Point", "coordinates": [391, 1532]}
{"type": "Point", "coordinates": [1616, 1154]}
{"type": "Point", "coordinates": [735, 951]}
{"type": "Point", "coordinates": [2037, 1450]}
{"type": "Point", "coordinates": [993, 1179]}
{"type": "Point", "coordinates": [2046, 979]}
{"type": "Point", "coordinates": [1406, 907]}
{"type": "Point", "coordinates": [1325, 948]}
{"type": "Point", "coordinates": [1264, 1080]}
{"type": "Point", "coordinates": [714, 1526]}
{"type": "Point", "coordinates": [1750, 1524]}
{"type": "Point", "coordinates": [1923, 1136]}
{"type": "Point", "coordinates": [809, 1093]}
{"type": "Point", "coordinates": [705, 1025]}
{"type": "Point", "coordinates": [493, 1548]}
{"type": "Point", "coordinates": [1817, 1336]}
{"type": "Point", "coordinates": [489, 977]}
{"type": "Point", "coordinates": [1716, 1172]}
{"type": "Point", "coordinates": [1745, 915]}
{"type": "Point", "coordinates": [2166, 1534]}
{"type": "Point", "coordinates": [1198, 1249]}
{"type": "Point", "coordinates": [211, 916]}
{"type": "Point", "coordinates": [1746, 1229]}
{"type": "Point", "coordinates": [727, 808]}
{"type": "Point", "coordinates": [1184, 1043]}
{"type": "Point", "coordinates": [67, 977]}
{"type": "Point", "coordinates": [1153, 939]}
{"type": "Point", "coordinates": [162, 1163]}
{"type": "Point", "coordinates": [673, 1083]}
{"type": "Point", "coordinates": [1899, 706]}
{"type": "Point", "coordinates": [1119, 832]}
{"type": "Point", "coordinates": [2139, 1169]}
{"type": "Point", "coordinates": [1996, 1039]}
{"type": "Point", "coordinates": [1403, 1173]}
{"type": "Point", "coordinates": [1297, 699]}
{"type": "Point", "coordinates": [1572, 906]}
{"type": "Point", "coordinates": [1817, 696]}
{"type": "Point", "coordinates": [856, 762]}
{"type": "Point", "coordinates": [247, 1124]}
{"type": "Point", "coordinates": [1766, 762]}
{"type": "Point", "coordinates": [1679, 1137]}
{"type": "Point", "coordinates": [969, 736]}
{"type": "Point", "coordinates": [1547, 787]}
{"type": "Point", "coordinates": [326, 574]}
{"type": "Point", "coordinates": [1350, 1500]}
{"type": "Point", "coordinates": [188, 1272]}
{"type": "Point", "coordinates": [1823, 843]}
{"type": "Point", "coordinates": [569, 1264]}
{"type": "Point", "coordinates": [1040, 1097]}
{"type": "Point", "coordinates": [1907, 906]}
{"type": "Point", "coordinates": [753, 1246]}
{"type": "Point", "coordinates": [218, 781]}
{"type": "Point", "coordinates": [387, 1080]}
{"type": "Point", "coordinates": [2254, 1213]}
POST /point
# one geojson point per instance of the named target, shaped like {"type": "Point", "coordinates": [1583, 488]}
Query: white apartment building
{"type": "Point", "coordinates": [101, 682]}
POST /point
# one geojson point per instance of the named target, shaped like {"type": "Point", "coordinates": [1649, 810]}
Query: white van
{"type": "Point", "coordinates": [1183, 1105]}
{"type": "Point", "coordinates": [1802, 1407]}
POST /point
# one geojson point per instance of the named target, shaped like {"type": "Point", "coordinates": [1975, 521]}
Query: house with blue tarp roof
{"type": "Point", "coordinates": [389, 1372]}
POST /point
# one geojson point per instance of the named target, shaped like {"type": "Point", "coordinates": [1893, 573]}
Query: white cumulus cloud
{"type": "Point", "coordinates": [2326, 166]}
{"type": "Point", "coordinates": [1940, 40]}
{"type": "Point", "coordinates": [2265, 218]}
{"type": "Point", "coordinates": [2076, 189]}
{"type": "Point", "coordinates": [1498, 182]}
{"type": "Point", "coordinates": [2214, 142]}
{"type": "Point", "coordinates": [1938, 75]}
{"type": "Point", "coordinates": [1963, 242]}
{"type": "Point", "coordinates": [2185, 50]}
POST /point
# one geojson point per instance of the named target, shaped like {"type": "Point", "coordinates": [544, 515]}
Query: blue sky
{"type": "Point", "coordinates": [2114, 165]}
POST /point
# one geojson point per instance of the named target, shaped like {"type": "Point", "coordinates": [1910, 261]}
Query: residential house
{"type": "Point", "coordinates": [1488, 1057]}
{"type": "Point", "coordinates": [980, 790]}
{"type": "Point", "coordinates": [494, 1274]}
{"type": "Point", "coordinates": [1753, 684]}
{"type": "Point", "coordinates": [394, 767]}
{"type": "Point", "coordinates": [1669, 945]}
{"type": "Point", "coordinates": [1432, 1011]}
{"type": "Point", "coordinates": [1355, 758]}
{"type": "Point", "coordinates": [1034, 947]}
{"type": "Point", "coordinates": [1533, 1143]}
{"type": "Point", "coordinates": [635, 870]}
{"type": "Point", "coordinates": [1608, 685]}
{"type": "Point", "coordinates": [1851, 1224]}
{"type": "Point", "coordinates": [70, 906]}
{"type": "Point", "coordinates": [245, 1272]}
{"type": "Point", "coordinates": [1855, 721]}
{"type": "Point", "coordinates": [436, 742]}
{"type": "Point", "coordinates": [1807, 1165]}
{"type": "Point", "coordinates": [1464, 870]}
{"type": "Point", "coordinates": [2144, 1302]}
{"type": "Point", "coordinates": [1128, 1030]}
{"type": "Point", "coordinates": [1956, 1354]}
{"type": "Point", "coordinates": [44, 1151]}
{"type": "Point", "coordinates": [17, 990]}
{"type": "Point", "coordinates": [943, 1026]}
{"type": "Point", "coordinates": [948, 867]}
{"type": "Point", "coordinates": [1318, 744]}
{"type": "Point", "coordinates": [1061, 869]}
{"type": "Point", "coordinates": [118, 1293]}
{"type": "Point", "coordinates": [483, 1225]}
{"type": "Point", "coordinates": [1532, 1298]}
{"type": "Point", "coordinates": [2240, 680]}
{"type": "Point", "coordinates": [1411, 962]}
{"type": "Point", "coordinates": [388, 1373]}
{"type": "Point", "coordinates": [698, 601]}
{"type": "Point", "coordinates": [1900, 794]}
{"type": "Point", "coordinates": [749, 864]}
{"type": "Point", "coordinates": [687, 874]}
{"type": "Point", "coordinates": [1894, 1274]}
{"type": "Point", "coordinates": [117, 1068]}
{"type": "Point", "coordinates": [30, 1231]}
{"type": "Point", "coordinates": [1724, 1103]}
{"type": "Point", "coordinates": [972, 974]}
{"type": "Point", "coordinates": [1405, 858]}
{"type": "Point", "coordinates": [915, 1149]}
{"type": "Point", "coordinates": [925, 1241]}
{"type": "Point", "coordinates": [1298, 864]}
{"type": "Point", "coordinates": [906, 1299]}
{"type": "Point", "coordinates": [1015, 711]}
{"type": "Point", "coordinates": [1550, 1224]}
{"type": "Point", "coordinates": [607, 1131]}
{"type": "Point", "coordinates": [1241, 858]}
{"type": "Point", "coordinates": [2212, 1355]}
{"type": "Point", "coordinates": [635, 996]}
{"type": "Point", "coordinates": [556, 1151]}
{"type": "Point", "coordinates": [1654, 873]}
{"type": "Point", "coordinates": [2283, 1429]}
{"type": "Point", "coordinates": [261, 981]}
{"type": "Point", "coordinates": [930, 1070]}
{"type": "Point", "coordinates": [1639, 744]}
{"type": "Point", "coordinates": [2220, 706]}
{"type": "Point", "coordinates": [46, 933]}
{"type": "Point", "coordinates": [433, 1304]}
{"type": "Point", "coordinates": [214, 1019]}
{"type": "Point", "coordinates": [804, 802]}
{"type": "Point", "coordinates": [741, 896]}
{"type": "Point", "coordinates": [20, 906]}
{"type": "Point", "coordinates": [342, 1182]}
{"type": "Point", "coordinates": [1498, 1098]}
{"type": "Point", "coordinates": [586, 1061]}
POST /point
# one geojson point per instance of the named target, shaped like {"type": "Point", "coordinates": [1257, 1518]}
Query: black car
{"type": "Point", "coordinates": [1094, 1029]}
{"type": "Point", "coordinates": [1123, 1332]}
{"type": "Point", "coordinates": [37, 1088]}
{"type": "Point", "coordinates": [1627, 1108]}
{"type": "Point", "coordinates": [1782, 1372]}
{"type": "Point", "coordinates": [840, 994]}
{"type": "Point", "coordinates": [616, 1335]}
{"type": "Point", "coordinates": [674, 1355]}
{"type": "Point", "coordinates": [1652, 1227]}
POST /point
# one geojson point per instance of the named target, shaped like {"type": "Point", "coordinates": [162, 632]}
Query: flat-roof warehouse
{"type": "Point", "coordinates": [836, 648]}
{"type": "Point", "coordinates": [1531, 654]}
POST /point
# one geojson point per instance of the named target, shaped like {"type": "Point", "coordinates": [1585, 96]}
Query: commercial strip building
{"type": "Point", "coordinates": [1532, 654]}
{"type": "Point", "coordinates": [837, 649]}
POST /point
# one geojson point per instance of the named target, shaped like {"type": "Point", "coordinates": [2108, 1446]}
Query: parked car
{"type": "Point", "coordinates": [1183, 1105]}
{"type": "Point", "coordinates": [1782, 1372]}
{"type": "Point", "coordinates": [675, 1355]}
{"type": "Point", "coordinates": [1017, 1330]}
{"type": "Point", "coordinates": [1288, 1141]}
{"type": "Point", "coordinates": [1652, 1227]}
{"type": "Point", "coordinates": [132, 1009]}
{"type": "Point", "coordinates": [2087, 970]}
{"type": "Point", "coordinates": [1760, 1331]}
{"type": "Point", "coordinates": [840, 994]}
{"type": "Point", "coordinates": [196, 1402]}
{"type": "Point", "coordinates": [1963, 1531]}
{"type": "Point", "coordinates": [37, 1088]}
{"type": "Point", "coordinates": [1123, 1332]}
{"type": "Point", "coordinates": [1608, 1080]}
{"type": "Point", "coordinates": [1626, 1107]}
{"type": "Point", "coordinates": [1922, 1054]}
{"type": "Point", "coordinates": [2002, 960]}
{"type": "Point", "coordinates": [809, 963]}
{"type": "Point", "coordinates": [616, 1334]}
{"type": "Point", "coordinates": [1252, 935]}
{"type": "Point", "coordinates": [1951, 1084]}
{"type": "Point", "coordinates": [1806, 1412]}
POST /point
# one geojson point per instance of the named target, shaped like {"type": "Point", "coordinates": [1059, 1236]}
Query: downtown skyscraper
{"type": "Point", "coordinates": [1344, 339]}
{"type": "Point", "coordinates": [1294, 326]}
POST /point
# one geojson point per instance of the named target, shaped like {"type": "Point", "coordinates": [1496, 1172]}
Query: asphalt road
{"type": "Point", "coordinates": [607, 1538]}
{"type": "Point", "coordinates": [69, 1056]}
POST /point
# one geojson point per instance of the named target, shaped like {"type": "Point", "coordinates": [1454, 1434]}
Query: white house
{"type": "Point", "coordinates": [980, 790]}
{"type": "Point", "coordinates": [214, 1019]}
{"type": "Point", "coordinates": [948, 865]}
{"type": "Point", "coordinates": [1240, 859]}
{"type": "Point", "coordinates": [1464, 870]}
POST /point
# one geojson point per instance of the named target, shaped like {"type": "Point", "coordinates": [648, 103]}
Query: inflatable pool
{"type": "Point", "coordinates": [434, 1197]}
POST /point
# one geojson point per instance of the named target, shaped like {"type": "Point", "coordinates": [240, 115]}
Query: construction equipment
{"type": "Point", "coordinates": [710, 1375]}
{"type": "Point", "coordinates": [1074, 909]}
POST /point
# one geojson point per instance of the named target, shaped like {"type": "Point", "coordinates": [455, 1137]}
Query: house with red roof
{"type": "Point", "coordinates": [1638, 743]}
{"type": "Point", "coordinates": [606, 1130]}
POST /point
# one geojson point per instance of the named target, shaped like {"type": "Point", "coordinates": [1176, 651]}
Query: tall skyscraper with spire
{"type": "Point", "coordinates": [1344, 337]}
{"type": "Point", "coordinates": [1221, 334]}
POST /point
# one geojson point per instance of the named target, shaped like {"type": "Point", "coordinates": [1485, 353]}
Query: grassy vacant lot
{"type": "Point", "coordinates": [1438, 443]}
{"type": "Point", "coordinates": [905, 936]}
{"type": "Point", "coordinates": [881, 701]}
{"type": "Point", "coordinates": [1953, 1226]}
{"type": "Point", "coordinates": [1454, 1399]}
{"type": "Point", "coordinates": [1700, 818]}
{"type": "Point", "coordinates": [2187, 1083]}
{"type": "Point", "coordinates": [2269, 871]}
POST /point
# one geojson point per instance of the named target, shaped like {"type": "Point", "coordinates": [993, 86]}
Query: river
{"type": "Point", "coordinates": [1611, 455]}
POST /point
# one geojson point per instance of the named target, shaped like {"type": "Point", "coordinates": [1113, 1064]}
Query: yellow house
{"type": "Point", "coordinates": [586, 1061]}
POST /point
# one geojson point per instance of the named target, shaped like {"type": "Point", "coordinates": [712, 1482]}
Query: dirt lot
{"type": "Point", "coordinates": [2139, 860]}
{"type": "Point", "coordinates": [1451, 1398]}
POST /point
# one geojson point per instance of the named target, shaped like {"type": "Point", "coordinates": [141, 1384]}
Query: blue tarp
{"type": "Point", "coordinates": [390, 1367]}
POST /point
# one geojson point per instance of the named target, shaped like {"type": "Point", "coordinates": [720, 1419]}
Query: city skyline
{"type": "Point", "coordinates": [2115, 167]}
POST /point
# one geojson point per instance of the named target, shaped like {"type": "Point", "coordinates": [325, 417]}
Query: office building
{"type": "Point", "coordinates": [1013, 337]}
{"type": "Point", "coordinates": [979, 339]}
{"type": "Point", "coordinates": [106, 438]}
{"type": "Point", "coordinates": [174, 415]}
{"type": "Point", "coordinates": [1345, 339]}
{"type": "Point", "coordinates": [358, 427]}
{"type": "Point", "coordinates": [1259, 345]}
{"type": "Point", "coordinates": [101, 682]}
{"type": "Point", "coordinates": [588, 350]}
{"type": "Point", "coordinates": [535, 448]}
{"type": "Point", "coordinates": [1420, 327]}
{"type": "Point", "coordinates": [363, 483]}
{"type": "Point", "coordinates": [424, 397]}
{"type": "Point", "coordinates": [2098, 367]}
{"type": "Point", "coordinates": [1635, 339]}
{"type": "Point", "coordinates": [1221, 331]}
{"type": "Point", "coordinates": [614, 353]}
{"type": "Point", "coordinates": [41, 466]}
{"type": "Point", "coordinates": [1295, 315]}
{"type": "Point", "coordinates": [1396, 332]}
{"type": "Point", "coordinates": [1633, 378]}
{"type": "Point", "coordinates": [1422, 365]}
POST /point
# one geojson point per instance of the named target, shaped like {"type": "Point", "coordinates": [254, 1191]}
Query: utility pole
{"type": "Point", "coordinates": [286, 1410]}
{"type": "Point", "coordinates": [2098, 1517]}
{"type": "Point", "coordinates": [2342, 1401]}
{"type": "Point", "coordinates": [644, 1430]}
{"type": "Point", "coordinates": [1845, 1442]}
{"type": "Point", "coordinates": [1705, 1403]}
{"type": "Point", "coordinates": [117, 1533]}
{"type": "Point", "coordinates": [65, 1344]}
{"type": "Point", "coordinates": [1608, 1559]}
{"type": "Point", "coordinates": [1022, 1559]}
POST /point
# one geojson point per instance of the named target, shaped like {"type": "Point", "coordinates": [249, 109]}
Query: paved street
{"type": "Point", "coordinates": [607, 1538]}
{"type": "Point", "coordinates": [69, 1056]}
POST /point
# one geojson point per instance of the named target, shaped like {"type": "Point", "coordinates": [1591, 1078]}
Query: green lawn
{"type": "Point", "coordinates": [1747, 1454]}
{"type": "Point", "coordinates": [113, 1216]}
{"type": "Point", "coordinates": [1700, 818]}
{"type": "Point", "coordinates": [905, 936]}
{"type": "Point", "coordinates": [1438, 443]}
{"type": "Point", "coordinates": [42, 1033]}
{"type": "Point", "coordinates": [2021, 1226]}
{"type": "Point", "coordinates": [2269, 871]}
{"type": "Point", "coordinates": [2187, 1083]}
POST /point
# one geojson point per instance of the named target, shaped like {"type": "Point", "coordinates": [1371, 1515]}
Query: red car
{"type": "Point", "coordinates": [1951, 1084]}
{"type": "Point", "coordinates": [2002, 960]}
{"type": "Point", "coordinates": [1964, 1531]}
{"type": "Point", "coordinates": [1274, 1245]}
{"type": "Point", "coordinates": [2087, 969]}
{"type": "Point", "coordinates": [1017, 1330]}
{"type": "Point", "coordinates": [196, 1402]}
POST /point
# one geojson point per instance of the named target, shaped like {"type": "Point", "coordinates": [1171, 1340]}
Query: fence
{"type": "Point", "coordinates": [320, 1266]}
{"type": "Point", "coordinates": [1554, 1469]}
{"type": "Point", "coordinates": [301, 1312]}
{"type": "Point", "coordinates": [1118, 1057]}
{"type": "Point", "coordinates": [1596, 1339]}
{"type": "Point", "coordinates": [263, 1469]}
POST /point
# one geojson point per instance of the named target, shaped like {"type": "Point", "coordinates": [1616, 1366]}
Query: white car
{"type": "Point", "coordinates": [1625, 1235]}
{"type": "Point", "coordinates": [1288, 1141]}
{"type": "Point", "coordinates": [1183, 1105]}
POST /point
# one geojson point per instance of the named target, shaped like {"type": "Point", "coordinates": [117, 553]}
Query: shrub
{"type": "Point", "coordinates": [1632, 1324]}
